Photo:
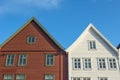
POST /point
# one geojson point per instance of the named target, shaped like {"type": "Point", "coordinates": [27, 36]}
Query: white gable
{"type": "Point", "coordinates": [91, 33]}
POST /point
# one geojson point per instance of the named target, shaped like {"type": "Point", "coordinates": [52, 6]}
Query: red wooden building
{"type": "Point", "coordinates": [32, 53]}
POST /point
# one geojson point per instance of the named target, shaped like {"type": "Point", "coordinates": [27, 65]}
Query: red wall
{"type": "Point", "coordinates": [35, 68]}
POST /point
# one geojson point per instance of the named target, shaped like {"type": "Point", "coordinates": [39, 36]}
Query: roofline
{"type": "Point", "coordinates": [104, 38]}
{"type": "Point", "coordinates": [32, 18]}
{"type": "Point", "coordinates": [98, 32]}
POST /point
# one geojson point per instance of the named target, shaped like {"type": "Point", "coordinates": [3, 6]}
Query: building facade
{"type": "Point", "coordinates": [32, 53]}
{"type": "Point", "coordinates": [93, 57]}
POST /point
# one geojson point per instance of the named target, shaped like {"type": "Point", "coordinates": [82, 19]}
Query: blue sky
{"type": "Point", "coordinates": [65, 20]}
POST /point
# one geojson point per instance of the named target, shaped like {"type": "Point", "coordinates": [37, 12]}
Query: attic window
{"type": "Point", "coordinates": [91, 44]}
{"type": "Point", "coordinates": [30, 39]}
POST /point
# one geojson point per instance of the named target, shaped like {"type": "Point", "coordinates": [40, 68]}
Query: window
{"type": "Point", "coordinates": [76, 63]}
{"type": "Point", "coordinates": [86, 78]}
{"type": "Point", "coordinates": [8, 77]}
{"type": "Point", "coordinates": [101, 63]}
{"type": "Point", "coordinates": [31, 39]}
{"type": "Point", "coordinates": [49, 77]}
{"type": "Point", "coordinates": [103, 78]}
{"type": "Point", "coordinates": [22, 60]}
{"type": "Point", "coordinates": [87, 63]}
{"type": "Point", "coordinates": [20, 77]}
{"type": "Point", "coordinates": [81, 78]}
{"type": "Point", "coordinates": [91, 45]}
{"type": "Point", "coordinates": [10, 60]}
{"type": "Point", "coordinates": [112, 63]}
{"type": "Point", "coordinates": [76, 78]}
{"type": "Point", "coordinates": [49, 59]}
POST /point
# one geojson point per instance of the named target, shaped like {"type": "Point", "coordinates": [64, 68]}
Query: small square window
{"type": "Point", "coordinates": [91, 45]}
{"type": "Point", "coordinates": [31, 39]}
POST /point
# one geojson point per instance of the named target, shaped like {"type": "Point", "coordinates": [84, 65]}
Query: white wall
{"type": "Point", "coordinates": [103, 50]}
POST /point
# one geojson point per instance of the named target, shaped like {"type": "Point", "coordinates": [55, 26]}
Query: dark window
{"type": "Point", "coordinates": [31, 39]}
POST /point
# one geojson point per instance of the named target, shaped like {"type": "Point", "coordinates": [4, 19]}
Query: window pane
{"type": "Point", "coordinates": [10, 60]}
{"type": "Point", "coordinates": [76, 63]}
{"type": "Point", "coordinates": [20, 77]}
{"type": "Point", "coordinates": [49, 77]}
{"type": "Point", "coordinates": [91, 45]}
{"type": "Point", "coordinates": [101, 63]}
{"type": "Point", "coordinates": [22, 59]}
{"type": "Point", "coordinates": [103, 78]}
{"type": "Point", "coordinates": [8, 77]}
{"type": "Point", "coordinates": [31, 39]}
{"type": "Point", "coordinates": [49, 59]}
{"type": "Point", "coordinates": [87, 63]}
{"type": "Point", "coordinates": [112, 63]}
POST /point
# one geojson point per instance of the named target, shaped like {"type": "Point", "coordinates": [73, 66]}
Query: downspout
{"type": "Point", "coordinates": [60, 66]}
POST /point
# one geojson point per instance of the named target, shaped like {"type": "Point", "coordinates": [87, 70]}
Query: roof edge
{"type": "Point", "coordinates": [24, 25]}
{"type": "Point", "coordinates": [98, 32]}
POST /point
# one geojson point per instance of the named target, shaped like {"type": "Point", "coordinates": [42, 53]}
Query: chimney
{"type": "Point", "coordinates": [118, 47]}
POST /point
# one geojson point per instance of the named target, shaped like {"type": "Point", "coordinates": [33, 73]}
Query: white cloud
{"type": "Point", "coordinates": [22, 5]}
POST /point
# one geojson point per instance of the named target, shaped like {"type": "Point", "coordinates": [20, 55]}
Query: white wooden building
{"type": "Point", "coordinates": [93, 57]}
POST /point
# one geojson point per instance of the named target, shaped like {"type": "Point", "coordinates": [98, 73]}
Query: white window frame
{"type": "Point", "coordinates": [8, 77]}
{"type": "Point", "coordinates": [76, 63]}
{"type": "Point", "coordinates": [20, 77]}
{"type": "Point", "coordinates": [49, 77]}
{"type": "Point", "coordinates": [86, 78]}
{"type": "Point", "coordinates": [76, 78]}
{"type": "Point", "coordinates": [87, 65]}
{"type": "Point", "coordinates": [101, 63]}
{"type": "Point", "coordinates": [49, 59]}
{"type": "Point", "coordinates": [112, 63]}
{"type": "Point", "coordinates": [102, 78]}
{"type": "Point", "coordinates": [10, 60]}
{"type": "Point", "coordinates": [31, 39]}
{"type": "Point", "coordinates": [81, 78]}
{"type": "Point", "coordinates": [22, 58]}
{"type": "Point", "coordinates": [91, 45]}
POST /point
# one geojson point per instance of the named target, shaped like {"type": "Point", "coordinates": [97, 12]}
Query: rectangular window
{"type": "Point", "coordinates": [49, 60]}
{"type": "Point", "coordinates": [81, 78]}
{"type": "Point", "coordinates": [101, 63]}
{"type": "Point", "coordinates": [91, 45]}
{"type": "Point", "coordinates": [103, 78]}
{"type": "Point", "coordinates": [87, 63]}
{"type": "Point", "coordinates": [20, 77]}
{"type": "Point", "coordinates": [112, 63]}
{"type": "Point", "coordinates": [10, 59]}
{"type": "Point", "coordinates": [31, 39]}
{"type": "Point", "coordinates": [22, 60]}
{"type": "Point", "coordinates": [76, 63]}
{"type": "Point", "coordinates": [8, 77]}
{"type": "Point", "coordinates": [49, 77]}
{"type": "Point", "coordinates": [76, 78]}
{"type": "Point", "coordinates": [86, 78]}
